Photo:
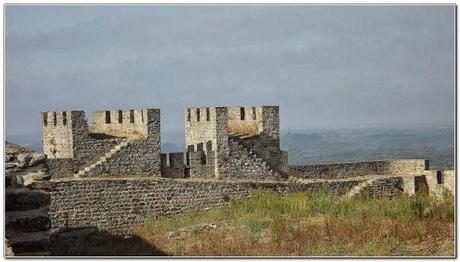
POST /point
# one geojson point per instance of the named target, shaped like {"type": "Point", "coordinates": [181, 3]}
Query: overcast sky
{"type": "Point", "coordinates": [326, 66]}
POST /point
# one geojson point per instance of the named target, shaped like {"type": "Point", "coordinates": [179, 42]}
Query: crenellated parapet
{"type": "Point", "coordinates": [118, 143]}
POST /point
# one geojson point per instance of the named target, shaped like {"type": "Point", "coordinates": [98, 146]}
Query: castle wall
{"type": "Point", "coordinates": [140, 157]}
{"type": "Point", "coordinates": [201, 164]}
{"type": "Point", "coordinates": [174, 168]}
{"type": "Point", "coordinates": [384, 187]}
{"type": "Point", "coordinates": [58, 132]}
{"type": "Point", "coordinates": [121, 123]}
{"type": "Point", "coordinates": [210, 132]}
{"type": "Point", "coordinates": [355, 169]}
{"type": "Point", "coordinates": [241, 164]}
{"type": "Point", "coordinates": [440, 181]}
{"type": "Point", "coordinates": [117, 205]}
{"type": "Point", "coordinates": [200, 128]}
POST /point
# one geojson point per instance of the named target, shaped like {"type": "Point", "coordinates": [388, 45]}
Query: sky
{"type": "Point", "coordinates": [342, 66]}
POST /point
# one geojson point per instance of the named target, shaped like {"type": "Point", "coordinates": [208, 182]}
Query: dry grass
{"type": "Point", "coordinates": [302, 224]}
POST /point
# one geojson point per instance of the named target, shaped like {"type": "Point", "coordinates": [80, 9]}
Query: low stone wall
{"type": "Point", "coordinates": [355, 169]}
{"type": "Point", "coordinates": [385, 187]}
{"type": "Point", "coordinates": [439, 181]}
{"type": "Point", "coordinates": [117, 205]}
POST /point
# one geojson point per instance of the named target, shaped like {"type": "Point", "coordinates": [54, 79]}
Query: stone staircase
{"type": "Point", "coordinates": [85, 170]}
{"type": "Point", "coordinates": [26, 220]}
{"type": "Point", "coordinates": [247, 160]}
{"type": "Point", "coordinates": [359, 188]}
{"type": "Point", "coordinates": [27, 201]}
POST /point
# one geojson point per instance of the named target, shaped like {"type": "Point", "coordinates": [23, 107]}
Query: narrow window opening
{"type": "Point", "coordinates": [198, 114]}
{"type": "Point", "coordinates": [208, 117]}
{"type": "Point", "coordinates": [203, 158]}
{"type": "Point", "coordinates": [439, 177]}
{"type": "Point", "coordinates": [54, 118]}
{"type": "Point", "coordinates": [142, 115]}
{"type": "Point", "coordinates": [168, 160]}
{"type": "Point", "coordinates": [191, 148]}
{"type": "Point", "coordinates": [131, 116]}
{"type": "Point", "coordinates": [45, 118]}
{"type": "Point", "coordinates": [187, 158]}
{"type": "Point", "coordinates": [64, 118]}
{"type": "Point", "coordinates": [209, 146]}
{"type": "Point", "coordinates": [242, 113]}
{"type": "Point", "coordinates": [254, 116]}
{"type": "Point", "coordinates": [189, 114]}
{"type": "Point", "coordinates": [107, 117]}
{"type": "Point", "coordinates": [120, 116]}
{"type": "Point", "coordinates": [199, 147]}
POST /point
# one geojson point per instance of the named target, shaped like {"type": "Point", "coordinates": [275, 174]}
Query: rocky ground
{"type": "Point", "coordinates": [27, 202]}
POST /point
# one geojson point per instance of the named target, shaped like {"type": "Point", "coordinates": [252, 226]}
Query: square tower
{"type": "Point", "coordinates": [228, 135]}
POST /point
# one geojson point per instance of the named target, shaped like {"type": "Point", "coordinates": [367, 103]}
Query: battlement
{"type": "Point", "coordinates": [249, 120]}
{"type": "Point", "coordinates": [132, 124]}
{"type": "Point", "coordinates": [61, 130]}
{"type": "Point", "coordinates": [107, 147]}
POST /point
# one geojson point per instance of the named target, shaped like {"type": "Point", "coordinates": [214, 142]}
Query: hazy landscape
{"type": "Point", "coordinates": [313, 146]}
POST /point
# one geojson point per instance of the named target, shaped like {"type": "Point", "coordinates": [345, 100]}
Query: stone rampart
{"type": "Point", "coordinates": [395, 167]}
{"type": "Point", "coordinates": [122, 123]}
{"type": "Point", "coordinates": [172, 165]}
{"type": "Point", "coordinates": [117, 205]}
{"type": "Point", "coordinates": [440, 181]}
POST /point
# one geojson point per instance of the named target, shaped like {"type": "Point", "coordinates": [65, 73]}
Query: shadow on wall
{"type": "Point", "coordinates": [72, 242]}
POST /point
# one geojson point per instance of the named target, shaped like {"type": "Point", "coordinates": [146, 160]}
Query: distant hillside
{"type": "Point", "coordinates": [333, 145]}
{"type": "Point", "coordinates": [327, 146]}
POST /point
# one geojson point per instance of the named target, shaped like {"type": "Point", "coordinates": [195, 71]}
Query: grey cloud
{"type": "Point", "coordinates": [325, 65]}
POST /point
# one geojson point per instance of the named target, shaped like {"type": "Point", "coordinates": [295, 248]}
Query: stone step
{"type": "Point", "coordinates": [28, 220]}
{"type": "Point", "coordinates": [24, 199]}
{"type": "Point", "coordinates": [103, 158]}
{"type": "Point", "coordinates": [8, 180]}
{"type": "Point", "coordinates": [34, 254]}
{"type": "Point", "coordinates": [29, 242]}
{"type": "Point", "coordinates": [40, 185]}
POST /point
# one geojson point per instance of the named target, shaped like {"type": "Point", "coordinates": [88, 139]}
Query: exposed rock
{"type": "Point", "coordinates": [34, 177]}
{"type": "Point", "coordinates": [74, 232]}
{"type": "Point", "coordinates": [30, 158]}
{"type": "Point", "coordinates": [27, 201]}
{"type": "Point", "coordinates": [8, 250]}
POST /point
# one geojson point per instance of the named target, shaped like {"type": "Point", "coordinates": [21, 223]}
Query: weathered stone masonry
{"type": "Point", "coordinates": [118, 143]}
{"type": "Point", "coordinates": [108, 174]}
{"type": "Point", "coordinates": [117, 205]}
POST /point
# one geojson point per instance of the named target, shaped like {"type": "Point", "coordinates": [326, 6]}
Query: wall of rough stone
{"type": "Point", "coordinates": [172, 165]}
{"type": "Point", "coordinates": [57, 130]}
{"type": "Point", "coordinates": [354, 169]}
{"type": "Point", "coordinates": [135, 128]}
{"type": "Point", "coordinates": [204, 131]}
{"type": "Point", "coordinates": [200, 130]}
{"type": "Point", "coordinates": [243, 164]}
{"type": "Point", "coordinates": [440, 181]}
{"type": "Point", "coordinates": [201, 164]}
{"type": "Point", "coordinates": [384, 187]}
{"type": "Point", "coordinates": [138, 158]}
{"type": "Point", "coordinates": [117, 205]}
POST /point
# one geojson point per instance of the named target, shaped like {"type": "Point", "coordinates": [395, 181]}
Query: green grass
{"type": "Point", "coordinates": [311, 224]}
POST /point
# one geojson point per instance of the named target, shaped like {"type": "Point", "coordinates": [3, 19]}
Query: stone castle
{"type": "Point", "coordinates": [112, 174]}
{"type": "Point", "coordinates": [233, 142]}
